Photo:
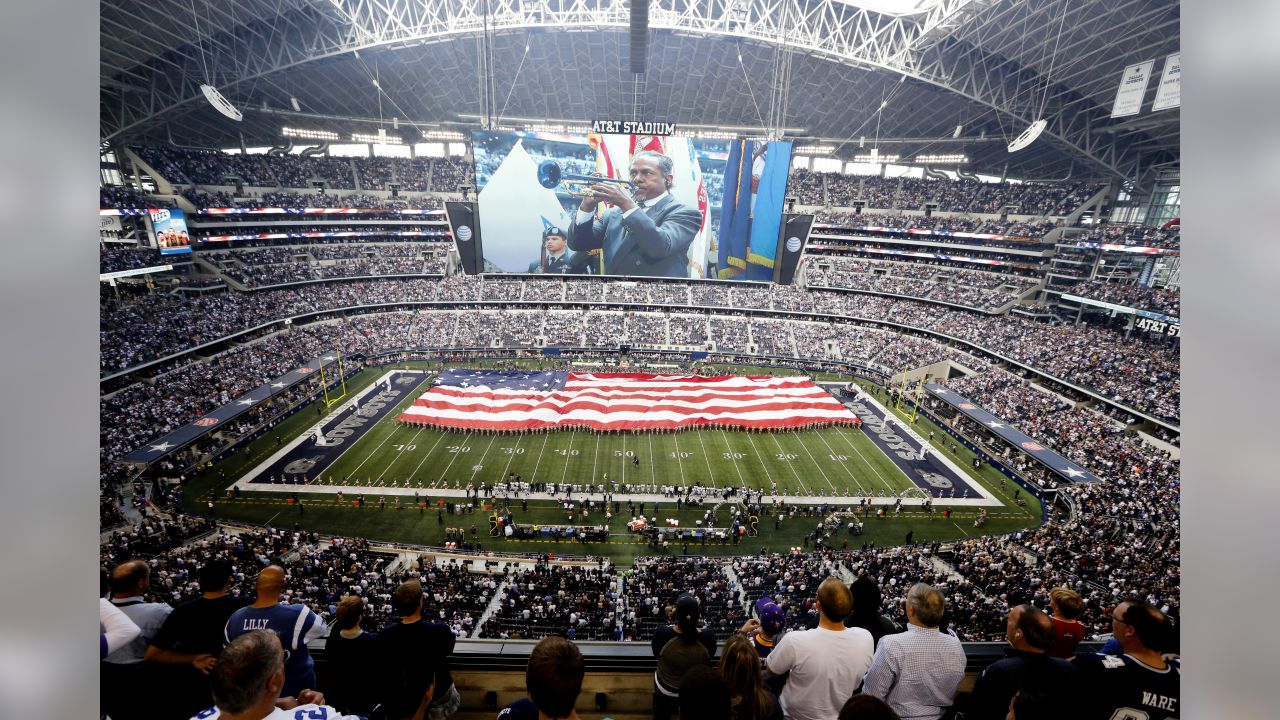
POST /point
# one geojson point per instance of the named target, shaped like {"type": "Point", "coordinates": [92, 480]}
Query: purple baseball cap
{"type": "Point", "coordinates": [772, 617]}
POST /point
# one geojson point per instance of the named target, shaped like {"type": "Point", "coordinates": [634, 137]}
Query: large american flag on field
{"type": "Point", "coordinates": [521, 400]}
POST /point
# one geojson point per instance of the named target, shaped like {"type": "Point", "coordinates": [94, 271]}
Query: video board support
{"type": "Point", "coordinates": [464, 225]}
{"type": "Point", "coordinates": [793, 236]}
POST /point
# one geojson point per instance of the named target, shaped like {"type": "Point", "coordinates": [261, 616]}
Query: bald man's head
{"type": "Point", "coordinates": [834, 599]}
{"type": "Point", "coordinates": [129, 578]}
{"type": "Point", "coordinates": [271, 580]}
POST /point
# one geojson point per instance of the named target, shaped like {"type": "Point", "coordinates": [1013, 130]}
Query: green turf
{"type": "Point", "coordinates": [839, 461]}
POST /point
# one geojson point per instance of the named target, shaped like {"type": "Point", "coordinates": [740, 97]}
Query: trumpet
{"type": "Point", "coordinates": [551, 176]}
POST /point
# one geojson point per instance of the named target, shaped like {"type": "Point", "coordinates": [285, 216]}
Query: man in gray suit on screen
{"type": "Point", "coordinates": [648, 234]}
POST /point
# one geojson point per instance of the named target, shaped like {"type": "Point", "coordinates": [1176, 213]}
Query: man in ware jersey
{"type": "Point", "coordinates": [1138, 685]}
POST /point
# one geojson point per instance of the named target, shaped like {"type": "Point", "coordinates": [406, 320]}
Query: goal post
{"type": "Point", "coordinates": [332, 399]}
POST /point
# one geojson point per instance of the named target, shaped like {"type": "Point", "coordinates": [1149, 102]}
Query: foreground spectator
{"type": "Point", "coordinates": [349, 650]}
{"type": "Point", "coordinates": [826, 663]}
{"type": "Point", "coordinates": [918, 671]}
{"type": "Point", "coordinates": [247, 681]}
{"type": "Point", "coordinates": [193, 635]}
{"type": "Point", "coordinates": [679, 648]}
{"type": "Point", "coordinates": [115, 629]}
{"type": "Point", "coordinates": [1068, 631]}
{"type": "Point", "coordinates": [748, 697]}
{"type": "Point", "coordinates": [772, 624]}
{"type": "Point", "coordinates": [553, 681]}
{"type": "Point", "coordinates": [129, 584]}
{"type": "Point", "coordinates": [296, 625]}
{"type": "Point", "coordinates": [866, 609]}
{"type": "Point", "coordinates": [414, 660]}
{"type": "Point", "coordinates": [1025, 667]}
{"type": "Point", "coordinates": [1141, 683]}
{"type": "Point", "coordinates": [705, 695]}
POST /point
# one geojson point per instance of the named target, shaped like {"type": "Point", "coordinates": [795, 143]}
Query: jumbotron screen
{"type": "Point", "coordinates": [630, 205]}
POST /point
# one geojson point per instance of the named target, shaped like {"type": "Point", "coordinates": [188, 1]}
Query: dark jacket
{"type": "Point", "coordinates": [1004, 678]}
{"type": "Point", "coordinates": [651, 241]}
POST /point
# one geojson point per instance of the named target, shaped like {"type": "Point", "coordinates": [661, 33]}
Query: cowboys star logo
{"type": "Point", "coordinates": [300, 467]}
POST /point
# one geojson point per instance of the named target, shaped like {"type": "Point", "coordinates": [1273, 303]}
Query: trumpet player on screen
{"type": "Point", "coordinates": [647, 233]}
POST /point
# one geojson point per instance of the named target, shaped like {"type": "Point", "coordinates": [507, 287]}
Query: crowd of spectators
{"type": "Point", "coordinates": [581, 603]}
{"type": "Point", "coordinates": [1016, 234]}
{"type": "Point", "coordinates": [978, 290]}
{"type": "Point", "coordinates": [1132, 371]}
{"type": "Point", "coordinates": [276, 265]}
{"type": "Point", "coordinates": [296, 200]}
{"type": "Point", "coordinates": [1161, 300]}
{"type": "Point", "coordinates": [114, 258]}
{"type": "Point", "coordinates": [1144, 235]}
{"type": "Point", "coordinates": [654, 584]}
{"type": "Point", "coordinates": [447, 174]}
{"type": "Point", "coordinates": [123, 197]}
{"type": "Point", "coordinates": [961, 195]}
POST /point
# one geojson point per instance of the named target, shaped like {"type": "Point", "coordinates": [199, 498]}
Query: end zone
{"type": "Point", "coordinates": [301, 461]}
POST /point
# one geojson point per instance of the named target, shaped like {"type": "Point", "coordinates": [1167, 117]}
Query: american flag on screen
{"type": "Point", "coordinates": [518, 400]}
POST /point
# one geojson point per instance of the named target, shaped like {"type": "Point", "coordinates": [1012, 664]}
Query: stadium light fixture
{"type": "Point", "coordinates": [306, 134]}
{"type": "Point", "coordinates": [951, 159]}
{"type": "Point", "coordinates": [377, 139]}
{"type": "Point", "coordinates": [443, 135]}
{"type": "Point", "coordinates": [816, 150]}
{"type": "Point", "coordinates": [875, 157]}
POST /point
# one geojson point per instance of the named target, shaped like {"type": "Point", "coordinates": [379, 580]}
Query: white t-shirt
{"type": "Point", "coordinates": [826, 666]}
{"type": "Point", "coordinates": [303, 712]}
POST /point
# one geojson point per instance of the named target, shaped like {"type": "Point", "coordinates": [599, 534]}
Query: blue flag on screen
{"type": "Point", "coordinates": [735, 211]}
{"type": "Point", "coordinates": [769, 171]}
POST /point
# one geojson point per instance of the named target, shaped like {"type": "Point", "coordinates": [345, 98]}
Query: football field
{"type": "Point", "coordinates": [367, 448]}
{"type": "Point", "coordinates": [367, 453]}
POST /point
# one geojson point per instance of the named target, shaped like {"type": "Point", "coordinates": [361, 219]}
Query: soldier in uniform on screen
{"type": "Point", "coordinates": [557, 258]}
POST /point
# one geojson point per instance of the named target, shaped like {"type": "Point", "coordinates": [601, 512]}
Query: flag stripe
{"type": "Point", "coordinates": [621, 401]}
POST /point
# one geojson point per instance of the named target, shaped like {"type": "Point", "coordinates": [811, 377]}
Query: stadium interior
{"type": "Point", "coordinates": [284, 280]}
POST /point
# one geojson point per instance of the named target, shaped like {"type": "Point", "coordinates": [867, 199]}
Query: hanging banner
{"type": "Point", "coordinates": [170, 226]}
{"type": "Point", "coordinates": [1169, 91]}
{"type": "Point", "coordinates": [1133, 87]}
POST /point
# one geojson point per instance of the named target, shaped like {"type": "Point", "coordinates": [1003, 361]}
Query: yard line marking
{"type": "Point", "coordinates": [729, 447]}
{"type": "Point", "coordinates": [427, 455]}
{"type": "Point", "coordinates": [511, 457]}
{"type": "Point", "coordinates": [594, 457]}
{"type": "Point", "coordinates": [371, 454]}
{"type": "Point", "coordinates": [789, 465]}
{"type": "Point", "coordinates": [805, 446]}
{"type": "Point", "coordinates": [861, 490]}
{"type": "Point", "coordinates": [679, 460]}
{"type": "Point", "coordinates": [653, 460]}
{"type": "Point", "coordinates": [480, 465]}
{"type": "Point", "coordinates": [707, 458]}
{"type": "Point", "coordinates": [888, 486]}
{"type": "Point", "coordinates": [545, 437]}
{"type": "Point", "coordinates": [763, 466]}
{"type": "Point", "coordinates": [455, 456]}
{"type": "Point", "coordinates": [565, 466]}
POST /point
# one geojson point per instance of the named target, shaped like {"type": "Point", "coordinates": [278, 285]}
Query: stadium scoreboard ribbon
{"type": "Point", "coordinates": [528, 400]}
